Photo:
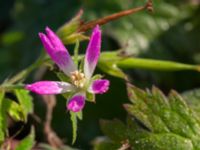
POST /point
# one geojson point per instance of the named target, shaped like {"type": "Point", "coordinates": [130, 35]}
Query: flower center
{"type": "Point", "coordinates": [78, 78]}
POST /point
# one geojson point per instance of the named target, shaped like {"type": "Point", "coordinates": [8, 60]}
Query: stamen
{"type": "Point", "coordinates": [78, 78]}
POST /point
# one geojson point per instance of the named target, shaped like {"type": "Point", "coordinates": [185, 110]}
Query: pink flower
{"type": "Point", "coordinates": [81, 82]}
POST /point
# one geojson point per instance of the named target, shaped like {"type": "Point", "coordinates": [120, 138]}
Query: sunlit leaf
{"type": "Point", "coordinates": [25, 101]}
{"type": "Point", "coordinates": [14, 110]}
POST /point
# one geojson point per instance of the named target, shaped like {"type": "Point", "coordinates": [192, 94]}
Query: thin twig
{"type": "Point", "coordinates": [51, 136]}
{"type": "Point", "coordinates": [115, 16]}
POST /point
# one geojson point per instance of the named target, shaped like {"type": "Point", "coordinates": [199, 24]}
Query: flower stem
{"type": "Point", "coordinates": [76, 51]}
{"type": "Point", "coordinates": [11, 86]}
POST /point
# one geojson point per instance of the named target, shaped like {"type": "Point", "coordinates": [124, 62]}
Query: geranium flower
{"type": "Point", "coordinates": [80, 82]}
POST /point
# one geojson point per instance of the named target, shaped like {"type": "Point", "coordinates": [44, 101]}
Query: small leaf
{"type": "Point", "coordinates": [14, 110]}
{"type": "Point", "coordinates": [28, 142]}
{"type": "Point", "coordinates": [3, 119]}
{"type": "Point", "coordinates": [25, 101]}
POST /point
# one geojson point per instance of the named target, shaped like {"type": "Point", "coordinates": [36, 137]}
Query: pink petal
{"type": "Point", "coordinates": [92, 52]}
{"type": "Point", "coordinates": [99, 86]}
{"type": "Point", "coordinates": [57, 51]}
{"type": "Point", "coordinates": [49, 87]}
{"type": "Point", "coordinates": [56, 42]}
{"type": "Point", "coordinates": [76, 103]}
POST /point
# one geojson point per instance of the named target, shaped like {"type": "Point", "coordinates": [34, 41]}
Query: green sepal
{"type": "Point", "coordinates": [97, 77]}
{"type": "Point", "coordinates": [90, 97]}
{"type": "Point", "coordinates": [63, 77]}
{"type": "Point", "coordinates": [71, 39]}
{"type": "Point", "coordinates": [74, 121]}
{"type": "Point", "coordinates": [70, 27]}
{"type": "Point", "coordinates": [107, 63]}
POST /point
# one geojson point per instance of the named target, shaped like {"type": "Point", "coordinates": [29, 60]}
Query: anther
{"type": "Point", "coordinates": [78, 78]}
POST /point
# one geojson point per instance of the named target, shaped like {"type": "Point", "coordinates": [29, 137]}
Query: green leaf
{"type": "Point", "coordinates": [28, 142]}
{"type": "Point", "coordinates": [165, 116]}
{"type": "Point", "coordinates": [14, 109]}
{"type": "Point", "coordinates": [163, 141]}
{"type": "Point", "coordinates": [157, 121]}
{"type": "Point", "coordinates": [74, 126]}
{"type": "Point", "coordinates": [3, 118]}
{"type": "Point", "coordinates": [25, 101]}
